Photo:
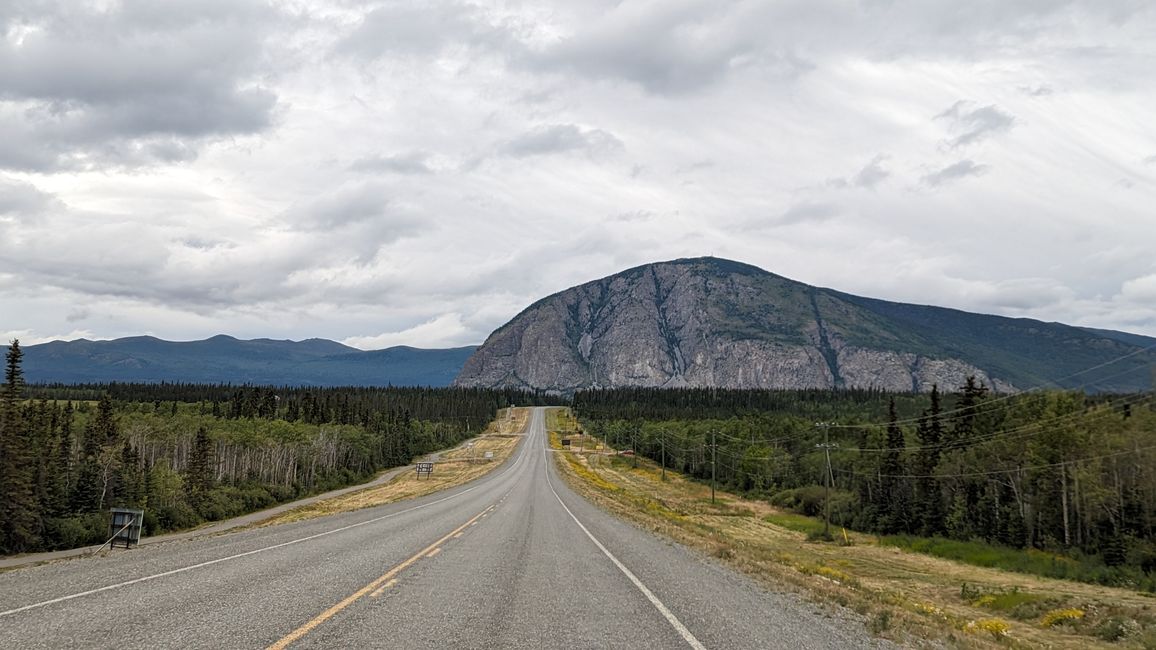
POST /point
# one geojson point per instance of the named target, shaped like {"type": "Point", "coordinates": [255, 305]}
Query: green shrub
{"type": "Point", "coordinates": [797, 523]}
{"type": "Point", "coordinates": [1116, 629]}
{"type": "Point", "coordinates": [76, 530]}
{"type": "Point", "coordinates": [1032, 561]}
{"type": "Point", "coordinates": [177, 516]}
{"type": "Point", "coordinates": [881, 622]}
{"type": "Point", "coordinates": [810, 501]}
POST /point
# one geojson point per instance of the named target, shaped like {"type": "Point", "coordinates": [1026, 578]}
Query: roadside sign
{"type": "Point", "coordinates": [565, 442]}
{"type": "Point", "coordinates": [489, 454]}
{"type": "Point", "coordinates": [424, 468]}
{"type": "Point", "coordinates": [125, 527]}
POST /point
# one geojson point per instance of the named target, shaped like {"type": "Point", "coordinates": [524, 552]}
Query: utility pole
{"type": "Point", "coordinates": [634, 447]}
{"type": "Point", "coordinates": [826, 447]}
{"type": "Point", "coordinates": [713, 457]}
{"type": "Point", "coordinates": [1152, 369]}
{"type": "Point", "coordinates": [663, 455]}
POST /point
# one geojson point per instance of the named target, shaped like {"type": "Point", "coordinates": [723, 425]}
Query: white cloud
{"type": "Point", "coordinates": [443, 331]}
{"type": "Point", "coordinates": [27, 337]}
{"type": "Point", "coordinates": [1140, 290]}
{"type": "Point", "coordinates": [377, 173]}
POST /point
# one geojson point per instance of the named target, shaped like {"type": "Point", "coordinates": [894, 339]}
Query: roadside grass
{"type": "Point", "coordinates": [1033, 561]}
{"type": "Point", "coordinates": [455, 467]}
{"type": "Point", "coordinates": [798, 523]}
{"type": "Point", "coordinates": [902, 595]}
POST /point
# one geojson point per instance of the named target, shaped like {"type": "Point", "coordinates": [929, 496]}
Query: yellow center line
{"type": "Point", "coordinates": [357, 595]}
{"type": "Point", "coordinates": [434, 552]}
{"type": "Point", "coordinates": [383, 587]}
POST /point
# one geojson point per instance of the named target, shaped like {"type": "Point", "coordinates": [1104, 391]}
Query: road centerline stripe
{"type": "Point", "coordinates": [312, 624]}
{"type": "Point", "coordinates": [383, 587]}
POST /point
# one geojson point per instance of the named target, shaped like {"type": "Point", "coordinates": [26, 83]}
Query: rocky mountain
{"type": "Point", "coordinates": [713, 322]}
{"type": "Point", "coordinates": [224, 359]}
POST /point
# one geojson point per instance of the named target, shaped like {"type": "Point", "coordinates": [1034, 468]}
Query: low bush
{"type": "Point", "coordinates": [75, 530]}
{"type": "Point", "coordinates": [1090, 569]}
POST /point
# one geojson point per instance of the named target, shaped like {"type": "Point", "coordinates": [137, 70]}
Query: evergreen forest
{"type": "Point", "coordinates": [190, 453]}
{"type": "Point", "coordinates": [1064, 478]}
{"type": "Point", "coordinates": [1067, 478]}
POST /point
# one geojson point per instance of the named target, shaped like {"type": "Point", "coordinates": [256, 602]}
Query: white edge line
{"type": "Point", "coordinates": [255, 551]}
{"type": "Point", "coordinates": [662, 609]}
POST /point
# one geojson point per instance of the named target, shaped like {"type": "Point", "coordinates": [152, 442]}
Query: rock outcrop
{"type": "Point", "coordinates": [711, 322]}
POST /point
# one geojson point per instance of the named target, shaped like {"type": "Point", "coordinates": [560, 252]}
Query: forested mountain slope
{"type": "Point", "coordinates": [224, 359]}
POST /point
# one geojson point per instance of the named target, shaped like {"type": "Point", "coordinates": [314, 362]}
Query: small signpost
{"type": "Point", "coordinates": [565, 442]}
{"type": "Point", "coordinates": [124, 527]}
{"type": "Point", "coordinates": [424, 468]}
{"type": "Point", "coordinates": [489, 455]}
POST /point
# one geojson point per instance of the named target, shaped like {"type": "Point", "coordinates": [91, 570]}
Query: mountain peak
{"type": "Point", "coordinates": [709, 321]}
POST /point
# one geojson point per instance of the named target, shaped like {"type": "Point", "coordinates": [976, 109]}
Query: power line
{"type": "Point", "coordinates": [1009, 434]}
{"type": "Point", "coordinates": [1005, 435]}
{"type": "Point", "coordinates": [1035, 389]}
{"type": "Point", "coordinates": [1005, 471]}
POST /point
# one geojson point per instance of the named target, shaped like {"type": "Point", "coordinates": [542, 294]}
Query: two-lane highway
{"type": "Point", "coordinates": [512, 560]}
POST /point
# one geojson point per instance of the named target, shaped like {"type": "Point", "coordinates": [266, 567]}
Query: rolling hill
{"type": "Point", "coordinates": [224, 359]}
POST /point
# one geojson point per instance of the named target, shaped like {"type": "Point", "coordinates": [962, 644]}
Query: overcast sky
{"type": "Point", "coordinates": [385, 173]}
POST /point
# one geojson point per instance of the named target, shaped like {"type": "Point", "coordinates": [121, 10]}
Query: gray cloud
{"type": "Point", "coordinates": [1042, 90]}
{"type": "Point", "coordinates": [412, 30]}
{"type": "Point", "coordinates": [256, 168]}
{"type": "Point", "coordinates": [413, 162]}
{"type": "Point", "coordinates": [637, 216]}
{"type": "Point", "coordinates": [975, 124]}
{"type": "Point", "coordinates": [869, 176]}
{"type": "Point", "coordinates": [23, 201]}
{"type": "Point", "coordinates": [667, 47]}
{"type": "Point", "coordinates": [695, 166]}
{"type": "Point", "coordinates": [872, 174]}
{"type": "Point", "coordinates": [77, 315]}
{"type": "Point", "coordinates": [342, 207]}
{"type": "Point", "coordinates": [808, 212]}
{"type": "Point", "coordinates": [953, 172]}
{"type": "Point", "coordinates": [130, 83]}
{"type": "Point", "coordinates": [559, 138]}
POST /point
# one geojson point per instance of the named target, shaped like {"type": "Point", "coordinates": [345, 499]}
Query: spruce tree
{"type": "Point", "coordinates": [895, 502]}
{"type": "Point", "coordinates": [130, 478]}
{"type": "Point", "coordinates": [199, 473]}
{"type": "Point", "coordinates": [20, 517]}
{"type": "Point", "coordinates": [64, 462]}
{"type": "Point", "coordinates": [929, 500]}
{"type": "Point", "coordinates": [90, 490]}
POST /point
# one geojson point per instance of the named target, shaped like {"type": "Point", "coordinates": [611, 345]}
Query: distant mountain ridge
{"type": "Point", "coordinates": [714, 322]}
{"type": "Point", "coordinates": [224, 359]}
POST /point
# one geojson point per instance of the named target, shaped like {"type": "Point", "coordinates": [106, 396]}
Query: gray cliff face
{"type": "Point", "coordinates": [693, 323]}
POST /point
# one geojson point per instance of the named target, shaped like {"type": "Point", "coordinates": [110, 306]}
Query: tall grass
{"type": "Point", "coordinates": [1031, 561]}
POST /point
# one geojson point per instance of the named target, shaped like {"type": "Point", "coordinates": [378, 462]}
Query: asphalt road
{"type": "Point", "coordinates": [512, 560]}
